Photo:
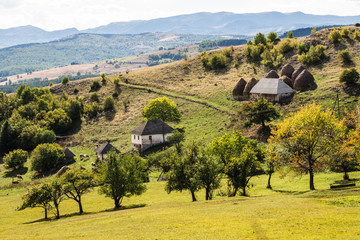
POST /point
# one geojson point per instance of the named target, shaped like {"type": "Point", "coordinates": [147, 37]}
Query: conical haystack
{"type": "Point", "coordinates": [304, 81]}
{"type": "Point", "coordinates": [287, 80]}
{"type": "Point", "coordinates": [287, 70]}
{"type": "Point", "coordinates": [239, 89]}
{"type": "Point", "coordinates": [272, 74]}
{"type": "Point", "coordinates": [297, 72]}
{"type": "Point", "coordinates": [249, 86]}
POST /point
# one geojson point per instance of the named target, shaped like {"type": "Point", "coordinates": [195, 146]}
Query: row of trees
{"type": "Point", "coordinates": [119, 177]}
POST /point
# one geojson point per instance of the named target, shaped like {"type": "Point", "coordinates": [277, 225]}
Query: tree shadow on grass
{"type": "Point", "coordinates": [14, 173]}
{"type": "Point", "coordinates": [291, 192]}
{"type": "Point", "coordinates": [132, 206]}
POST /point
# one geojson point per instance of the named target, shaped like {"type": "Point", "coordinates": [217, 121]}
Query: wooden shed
{"type": "Point", "coordinates": [102, 150]}
{"type": "Point", "coordinates": [272, 89]}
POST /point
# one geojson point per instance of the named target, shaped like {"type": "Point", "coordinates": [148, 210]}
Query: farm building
{"type": "Point", "coordinates": [102, 150]}
{"type": "Point", "coordinates": [69, 155]}
{"type": "Point", "coordinates": [150, 133]}
{"type": "Point", "coordinates": [272, 89]}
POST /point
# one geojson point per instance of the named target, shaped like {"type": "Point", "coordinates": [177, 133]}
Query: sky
{"type": "Point", "coordinates": [83, 14]}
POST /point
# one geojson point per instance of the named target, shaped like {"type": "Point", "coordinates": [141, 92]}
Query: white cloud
{"type": "Point", "coordinates": [84, 14]}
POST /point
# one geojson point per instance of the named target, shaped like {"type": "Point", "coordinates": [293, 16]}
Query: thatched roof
{"type": "Point", "coordinates": [287, 70]}
{"type": "Point", "coordinates": [287, 80]}
{"type": "Point", "coordinates": [304, 81]}
{"type": "Point", "coordinates": [297, 72]}
{"type": "Point", "coordinates": [249, 86]}
{"type": "Point", "coordinates": [272, 74]}
{"type": "Point", "coordinates": [271, 86]}
{"type": "Point", "coordinates": [152, 127]}
{"type": "Point", "coordinates": [105, 148]}
{"type": "Point", "coordinates": [239, 88]}
{"type": "Point", "coordinates": [68, 153]}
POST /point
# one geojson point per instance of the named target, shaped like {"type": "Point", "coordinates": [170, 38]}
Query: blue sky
{"type": "Point", "coordinates": [82, 14]}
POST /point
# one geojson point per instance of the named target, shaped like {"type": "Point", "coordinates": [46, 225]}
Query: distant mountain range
{"type": "Point", "coordinates": [197, 23]}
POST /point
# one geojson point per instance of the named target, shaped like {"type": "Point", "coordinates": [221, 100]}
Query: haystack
{"type": "Point", "coordinates": [239, 89]}
{"type": "Point", "coordinates": [304, 81]}
{"type": "Point", "coordinates": [287, 70]}
{"type": "Point", "coordinates": [287, 80]}
{"type": "Point", "coordinates": [62, 171]}
{"type": "Point", "coordinates": [249, 86]}
{"type": "Point", "coordinates": [272, 74]}
{"type": "Point", "coordinates": [297, 72]}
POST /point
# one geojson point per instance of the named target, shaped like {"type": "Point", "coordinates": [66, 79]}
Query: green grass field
{"type": "Point", "coordinates": [290, 211]}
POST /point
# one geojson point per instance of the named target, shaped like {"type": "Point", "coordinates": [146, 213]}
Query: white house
{"type": "Point", "coordinates": [150, 133]}
{"type": "Point", "coordinates": [272, 89]}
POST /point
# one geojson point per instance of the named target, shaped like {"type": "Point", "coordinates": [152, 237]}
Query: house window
{"type": "Point", "coordinates": [150, 138]}
{"type": "Point", "coordinates": [134, 137]}
{"type": "Point", "coordinates": [138, 138]}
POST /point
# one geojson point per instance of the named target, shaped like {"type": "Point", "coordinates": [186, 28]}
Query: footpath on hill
{"type": "Point", "coordinates": [176, 95]}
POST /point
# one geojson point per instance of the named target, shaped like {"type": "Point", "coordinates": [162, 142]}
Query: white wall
{"type": "Point", "coordinates": [156, 139]}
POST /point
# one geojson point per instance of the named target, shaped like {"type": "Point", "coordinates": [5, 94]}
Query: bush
{"type": "Point", "coordinates": [46, 156]}
{"type": "Point", "coordinates": [259, 38]}
{"type": "Point", "coordinates": [272, 59]}
{"type": "Point", "coordinates": [254, 52]}
{"type": "Point", "coordinates": [15, 159]}
{"type": "Point", "coordinates": [345, 56]}
{"type": "Point", "coordinates": [290, 35]}
{"type": "Point", "coordinates": [349, 76]}
{"type": "Point", "coordinates": [335, 36]}
{"type": "Point", "coordinates": [65, 80]}
{"type": "Point", "coordinates": [116, 81]}
{"type": "Point", "coordinates": [272, 37]}
{"type": "Point", "coordinates": [76, 91]}
{"type": "Point", "coordinates": [92, 110]}
{"type": "Point", "coordinates": [95, 86]}
{"type": "Point", "coordinates": [356, 35]}
{"type": "Point", "coordinates": [314, 55]}
{"type": "Point", "coordinates": [285, 45]}
{"type": "Point", "coordinates": [357, 25]}
{"type": "Point", "coordinates": [301, 48]}
{"type": "Point", "coordinates": [217, 61]}
{"type": "Point", "coordinates": [109, 104]}
{"type": "Point", "coordinates": [47, 136]}
{"type": "Point", "coordinates": [226, 52]}
{"type": "Point", "coordinates": [58, 120]}
{"type": "Point", "coordinates": [345, 32]}
{"type": "Point", "coordinates": [94, 97]}
{"type": "Point", "coordinates": [103, 77]}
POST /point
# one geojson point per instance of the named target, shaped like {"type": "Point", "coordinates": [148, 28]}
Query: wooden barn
{"type": "Point", "coordinates": [102, 150]}
{"type": "Point", "coordinates": [272, 89]}
{"type": "Point", "coordinates": [150, 133]}
{"type": "Point", "coordinates": [69, 156]}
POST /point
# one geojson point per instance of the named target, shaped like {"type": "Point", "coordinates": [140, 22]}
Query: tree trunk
{"type": "Point", "coordinates": [46, 213]}
{"type": "Point", "coordinates": [193, 196]}
{"type": "Point", "coordinates": [346, 175]}
{"type": "Point", "coordinates": [80, 206]}
{"type": "Point", "coordinates": [312, 187]}
{"type": "Point", "coordinates": [57, 211]}
{"type": "Point", "coordinates": [235, 191]}
{"type": "Point", "coordinates": [207, 194]}
{"type": "Point", "coordinates": [117, 202]}
{"type": "Point", "coordinates": [263, 124]}
{"type": "Point", "coordinates": [269, 184]}
{"type": "Point", "coordinates": [244, 191]}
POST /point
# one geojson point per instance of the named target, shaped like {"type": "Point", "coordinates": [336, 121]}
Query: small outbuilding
{"type": "Point", "coordinates": [272, 89]}
{"type": "Point", "coordinates": [102, 150]}
{"type": "Point", "coordinates": [150, 133]}
{"type": "Point", "coordinates": [69, 156]}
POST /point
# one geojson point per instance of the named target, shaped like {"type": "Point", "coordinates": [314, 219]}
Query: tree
{"type": "Point", "coordinates": [109, 104]}
{"type": "Point", "coordinates": [56, 194]}
{"type": "Point", "coordinates": [46, 136]}
{"type": "Point", "coordinates": [122, 176]}
{"type": "Point", "coordinates": [259, 38]}
{"type": "Point", "coordinates": [177, 138]}
{"type": "Point", "coordinates": [259, 112]}
{"type": "Point", "coordinates": [240, 157]}
{"type": "Point", "coordinates": [335, 36]}
{"type": "Point", "coordinates": [349, 76]}
{"type": "Point", "coordinates": [77, 182]}
{"type": "Point", "coordinates": [16, 159]}
{"type": "Point", "coordinates": [162, 109]}
{"type": "Point", "coordinates": [46, 156]}
{"type": "Point", "coordinates": [65, 80]}
{"type": "Point", "coordinates": [58, 120]}
{"type": "Point", "coordinates": [210, 171]}
{"type": "Point", "coordinates": [307, 139]}
{"type": "Point", "coordinates": [103, 77]}
{"type": "Point", "coordinates": [94, 97]}
{"type": "Point", "coordinates": [37, 196]}
{"type": "Point", "coordinates": [290, 35]}
{"type": "Point", "coordinates": [272, 37]}
{"type": "Point", "coordinates": [5, 138]}
{"type": "Point", "coordinates": [184, 172]}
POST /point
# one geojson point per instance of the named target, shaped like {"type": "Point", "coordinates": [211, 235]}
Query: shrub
{"type": "Point", "coordinates": [204, 59]}
{"type": "Point", "coordinates": [46, 156]}
{"type": "Point", "coordinates": [103, 77]}
{"type": "Point", "coordinates": [76, 91]}
{"type": "Point", "coordinates": [357, 25]}
{"type": "Point", "coordinates": [254, 52]}
{"type": "Point", "coordinates": [47, 136]}
{"type": "Point", "coordinates": [226, 52]}
{"type": "Point", "coordinates": [285, 45]}
{"type": "Point", "coordinates": [92, 110]}
{"type": "Point", "coordinates": [58, 120]}
{"type": "Point", "coordinates": [356, 35]}
{"type": "Point", "coordinates": [345, 32]}
{"type": "Point", "coordinates": [15, 159]}
{"type": "Point", "coordinates": [314, 55]}
{"type": "Point", "coordinates": [272, 37]}
{"type": "Point", "coordinates": [345, 56]}
{"type": "Point", "coordinates": [116, 81]}
{"type": "Point", "coordinates": [217, 61]}
{"type": "Point", "coordinates": [109, 104]}
{"type": "Point", "coordinates": [272, 59]}
{"type": "Point", "coordinates": [65, 80]}
{"type": "Point", "coordinates": [259, 38]}
{"type": "Point", "coordinates": [349, 76]}
{"type": "Point", "coordinates": [94, 97]}
{"type": "Point", "coordinates": [335, 36]}
{"type": "Point", "coordinates": [301, 48]}
{"type": "Point", "coordinates": [95, 86]}
{"type": "Point", "coordinates": [290, 35]}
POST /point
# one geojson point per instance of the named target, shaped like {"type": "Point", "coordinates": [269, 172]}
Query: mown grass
{"type": "Point", "coordinates": [289, 211]}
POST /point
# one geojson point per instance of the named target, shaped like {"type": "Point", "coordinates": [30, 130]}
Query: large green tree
{"type": "Point", "coordinates": [46, 156]}
{"type": "Point", "coordinates": [307, 138]}
{"type": "Point", "coordinates": [122, 176]}
{"type": "Point", "coordinates": [77, 182]}
{"type": "Point", "coordinates": [16, 159]}
{"type": "Point", "coordinates": [210, 172]}
{"type": "Point", "coordinates": [5, 138]}
{"type": "Point", "coordinates": [162, 109]}
{"type": "Point", "coordinates": [56, 194]}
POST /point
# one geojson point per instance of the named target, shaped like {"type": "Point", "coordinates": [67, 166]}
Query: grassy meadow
{"type": "Point", "coordinates": [289, 211]}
